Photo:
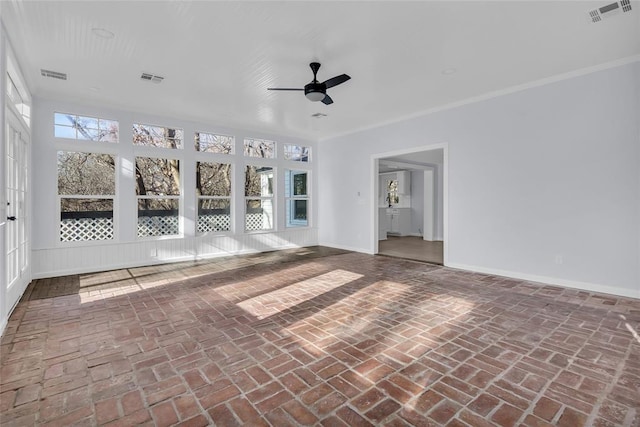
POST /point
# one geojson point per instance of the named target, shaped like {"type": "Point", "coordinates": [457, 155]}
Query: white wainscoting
{"type": "Point", "coordinates": [85, 258]}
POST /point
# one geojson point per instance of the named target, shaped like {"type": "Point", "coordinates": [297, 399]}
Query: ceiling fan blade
{"type": "Point", "coordinates": [283, 88]}
{"type": "Point", "coordinates": [327, 100]}
{"type": "Point", "coordinates": [335, 81]}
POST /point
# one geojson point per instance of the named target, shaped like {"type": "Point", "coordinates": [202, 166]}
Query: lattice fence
{"type": "Point", "coordinates": [256, 221]}
{"type": "Point", "coordinates": [158, 225]}
{"type": "Point", "coordinates": [79, 229]}
{"type": "Point", "coordinates": [208, 223]}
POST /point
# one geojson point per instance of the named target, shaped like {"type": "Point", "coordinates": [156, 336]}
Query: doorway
{"type": "Point", "coordinates": [17, 246]}
{"type": "Point", "coordinates": [411, 225]}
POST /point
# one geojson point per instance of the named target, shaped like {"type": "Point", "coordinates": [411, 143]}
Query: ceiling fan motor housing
{"type": "Point", "coordinates": [315, 91]}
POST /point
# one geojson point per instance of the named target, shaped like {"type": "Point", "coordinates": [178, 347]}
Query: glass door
{"type": "Point", "coordinates": [17, 222]}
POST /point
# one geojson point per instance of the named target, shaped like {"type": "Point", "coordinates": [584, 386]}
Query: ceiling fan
{"type": "Point", "coordinates": [316, 91]}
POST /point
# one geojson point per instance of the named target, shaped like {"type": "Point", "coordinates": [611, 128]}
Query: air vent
{"type": "Point", "coordinates": [151, 78]}
{"type": "Point", "coordinates": [318, 115]}
{"type": "Point", "coordinates": [53, 74]}
{"type": "Point", "coordinates": [610, 10]}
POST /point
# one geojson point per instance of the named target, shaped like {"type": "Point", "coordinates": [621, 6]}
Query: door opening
{"type": "Point", "coordinates": [412, 225]}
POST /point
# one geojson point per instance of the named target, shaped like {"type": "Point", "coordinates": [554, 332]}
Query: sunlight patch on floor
{"type": "Point", "coordinates": [268, 304]}
{"type": "Point", "coordinates": [630, 328]}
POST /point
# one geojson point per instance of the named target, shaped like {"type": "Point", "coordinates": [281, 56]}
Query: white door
{"type": "Point", "coordinates": [17, 223]}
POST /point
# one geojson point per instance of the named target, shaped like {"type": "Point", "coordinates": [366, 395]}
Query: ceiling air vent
{"type": "Point", "coordinates": [610, 10]}
{"type": "Point", "coordinates": [53, 74]}
{"type": "Point", "coordinates": [151, 78]}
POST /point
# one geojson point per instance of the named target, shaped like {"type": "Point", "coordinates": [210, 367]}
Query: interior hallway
{"type": "Point", "coordinates": [316, 336]}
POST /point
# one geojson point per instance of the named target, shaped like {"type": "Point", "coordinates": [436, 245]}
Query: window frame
{"type": "Point", "coordinates": [272, 198]}
{"type": "Point", "coordinates": [286, 150]}
{"type": "Point", "coordinates": [156, 147]}
{"type": "Point", "coordinates": [291, 198]}
{"type": "Point", "coordinates": [178, 197]}
{"type": "Point", "coordinates": [196, 145]}
{"type": "Point", "coordinates": [274, 148]}
{"type": "Point", "coordinates": [199, 197]}
{"type": "Point", "coordinates": [113, 197]}
{"type": "Point", "coordinates": [89, 140]}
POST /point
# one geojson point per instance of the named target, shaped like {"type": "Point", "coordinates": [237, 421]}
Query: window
{"type": "Point", "coordinates": [86, 128]}
{"type": "Point", "coordinates": [260, 148]}
{"type": "Point", "coordinates": [16, 98]}
{"type": "Point", "coordinates": [296, 198]}
{"type": "Point", "coordinates": [212, 143]}
{"type": "Point", "coordinates": [157, 136]}
{"type": "Point", "coordinates": [213, 189]}
{"type": "Point", "coordinates": [158, 191]}
{"type": "Point", "coordinates": [392, 192]}
{"type": "Point", "coordinates": [259, 198]}
{"type": "Point", "coordinates": [86, 189]}
{"type": "Point", "coordinates": [296, 153]}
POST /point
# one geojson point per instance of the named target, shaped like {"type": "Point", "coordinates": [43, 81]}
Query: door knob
{"type": "Point", "coordinates": [11, 218]}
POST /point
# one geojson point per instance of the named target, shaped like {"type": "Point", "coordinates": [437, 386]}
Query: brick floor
{"type": "Point", "coordinates": [317, 337]}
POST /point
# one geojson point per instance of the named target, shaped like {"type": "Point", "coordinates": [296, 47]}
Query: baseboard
{"type": "Point", "coordinates": [574, 284]}
{"type": "Point", "coordinates": [151, 261]}
{"type": "Point", "coordinates": [346, 248]}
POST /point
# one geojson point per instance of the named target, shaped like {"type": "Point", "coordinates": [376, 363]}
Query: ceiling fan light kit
{"type": "Point", "coordinates": [316, 91]}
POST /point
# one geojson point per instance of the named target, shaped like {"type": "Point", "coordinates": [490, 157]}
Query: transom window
{"type": "Point", "coordinates": [212, 143]}
{"type": "Point", "coordinates": [85, 128]}
{"type": "Point", "coordinates": [157, 136]}
{"type": "Point", "coordinates": [296, 153]}
{"type": "Point", "coordinates": [260, 148]}
{"type": "Point", "coordinates": [86, 190]}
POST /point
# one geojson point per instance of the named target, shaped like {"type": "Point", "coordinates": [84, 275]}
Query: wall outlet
{"type": "Point", "coordinates": [559, 260]}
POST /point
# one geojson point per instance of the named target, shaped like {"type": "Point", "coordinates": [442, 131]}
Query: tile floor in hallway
{"type": "Point", "coordinates": [317, 337]}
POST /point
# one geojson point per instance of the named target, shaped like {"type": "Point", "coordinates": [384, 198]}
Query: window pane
{"type": "Point", "coordinates": [64, 132]}
{"type": "Point", "coordinates": [86, 219]}
{"type": "Point", "coordinates": [296, 153]}
{"type": "Point", "coordinates": [259, 215]}
{"type": "Point", "coordinates": [297, 213]}
{"type": "Point", "coordinates": [260, 148]}
{"type": "Point", "coordinates": [109, 130]}
{"type": "Point", "coordinates": [87, 122]}
{"type": "Point", "coordinates": [157, 177]}
{"type": "Point", "coordinates": [211, 143]}
{"type": "Point", "coordinates": [156, 136]}
{"type": "Point", "coordinates": [214, 215]}
{"type": "Point", "coordinates": [158, 217]}
{"type": "Point", "coordinates": [213, 179]}
{"type": "Point", "coordinates": [258, 181]}
{"type": "Point", "coordinates": [300, 184]}
{"type": "Point", "coordinates": [295, 183]}
{"type": "Point", "coordinates": [85, 174]}
{"type": "Point", "coordinates": [88, 134]}
{"type": "Point", "coordinates": [64, 119]}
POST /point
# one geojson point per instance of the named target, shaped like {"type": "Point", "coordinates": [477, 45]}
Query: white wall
{"type": "Point", "coordinates": [52, 257]}
{"type": "Point", "coordinates": [546, 174]}
{"type": "Point", "coordinates": [417, 202]}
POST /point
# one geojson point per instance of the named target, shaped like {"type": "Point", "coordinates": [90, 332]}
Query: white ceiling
{"type": "Point", "coordinates": [218, 58]}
